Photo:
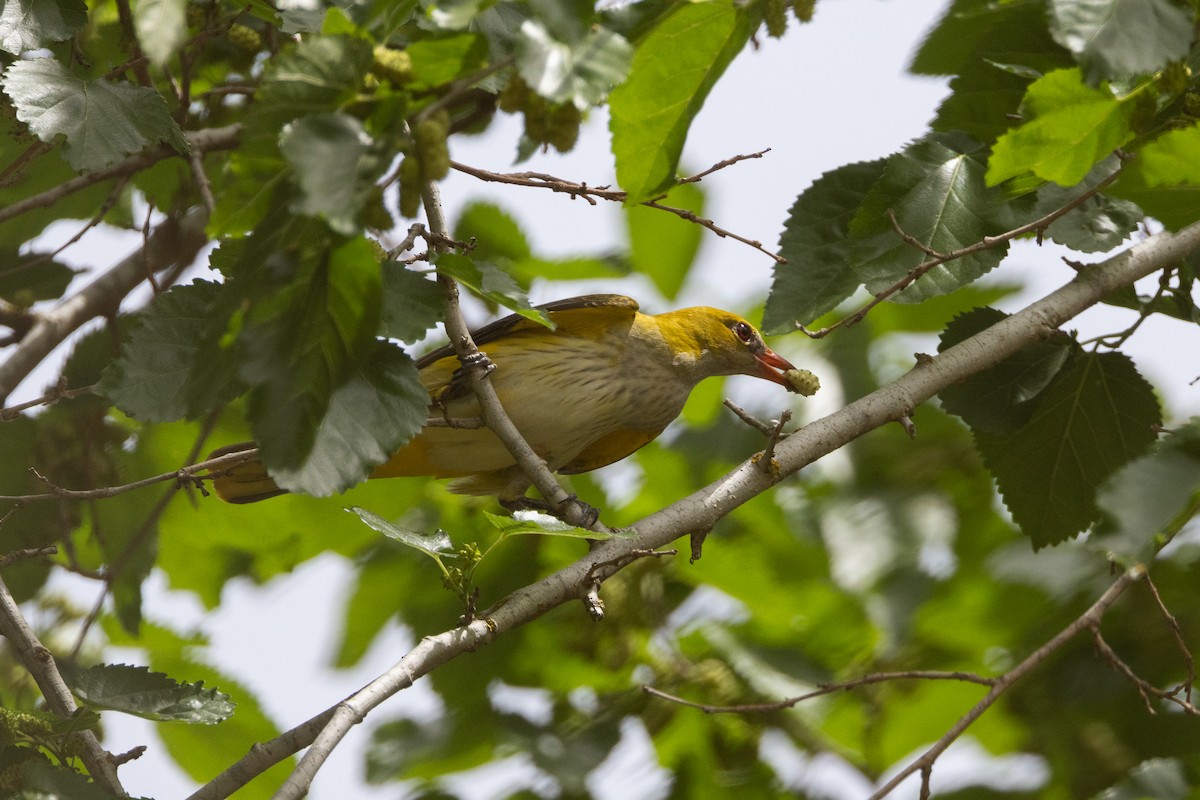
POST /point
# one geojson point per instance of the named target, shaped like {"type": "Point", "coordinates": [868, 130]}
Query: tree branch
{"type": "Point", "coordinates": [937, 258]}
{"type": "Point", "coordinates": [201, 141]}
{"type": "Point", "coordinates": [477, 368]}
{"type": "Point", "coordinates": [703, 508]}
{"type": "Point", "coordinates": [40, 663]}
{"type": "Point", "coordinates": [542, 181]}
{"type": "Point", "coordinates": [1086, 621]}
{"type": "Point", "coordinates": [173, 242]}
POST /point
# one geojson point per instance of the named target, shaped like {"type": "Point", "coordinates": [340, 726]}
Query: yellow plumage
{"type": "Point", "coordinates": [607, 380]}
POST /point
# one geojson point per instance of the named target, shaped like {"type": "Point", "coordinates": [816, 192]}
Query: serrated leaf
{"type": "Point", "coordinates": [161, 27]}
{"type": "Point", "coordinates": [321, 75]}
{"type": "Point", "coordinates": [174, 365]}
{"type": "Point", "coordinates": [662, 245]}
{"type": "Point", "coordinates": [816, 244]}
{"type": "Point", "coordinates": [150, 695]}
{"type": "Point", "coordinates": [532, 522]}
{"type": "Point", "coordinates": [1118, 38]}
{"type": "Point", "coordinates": [305, 341]}
{"type": "Point", "coordinates": [1001, 398]}
{"type": "Point", "coordinates": [1098, 224]}
{"type": "Point", "coordinates": [336, 164]}
{"type": "Point", "coordinates": [580, 72]}
{"type": "Point", "coordinates": [412, 303]}
{"type": "Point", "coordinates": [673, 70]}
{"type": "Point", "coordinates": [103, 121]}
{"type": "Point", "coordinates": [436, 544]}
{"type": "Point", "coordinates": [370, 416]}
{"type": "Point", "coordinates": [30, 24]}
{"type": "Point", "coordinates": [1095, 416]}
{"type": "Point", "coordinates": [1069, 128]}
{"type": "Point", "coordinates": [491, 283]}
{"type": "Point", "coordinates": [936, 190]}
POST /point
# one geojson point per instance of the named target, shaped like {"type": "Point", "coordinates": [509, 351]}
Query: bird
{"type": "Point", "coordinates": [605, 381]}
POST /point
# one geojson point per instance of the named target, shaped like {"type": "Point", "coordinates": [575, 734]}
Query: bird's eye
{"type": "Point", "coordinates": [744, 332]}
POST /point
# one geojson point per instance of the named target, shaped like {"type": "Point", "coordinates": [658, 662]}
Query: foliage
{"type": "Point", "coordinates": [301, 137]}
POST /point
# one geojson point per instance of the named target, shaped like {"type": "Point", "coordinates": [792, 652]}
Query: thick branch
{"type": "Point", "coordinates": [702, 509]}
{"type": "Point", "coordinates": [40, 663]}
{"type": "Point", "coordinates": [173, 242]}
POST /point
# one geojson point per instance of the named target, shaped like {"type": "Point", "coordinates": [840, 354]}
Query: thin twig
{"type": "Point", "coordinates": [748, 418]}
{"type": "Point", "coordinates": [590, 193]}
{"type": "Point", "coordinates": [938, 258]}
{"type": "Point", "coordinates": [720, 165]}
{"type": "Point", "coordinates": [1173, 624]}
{"type": "Point", "coordinates": [206, 140]}
{"type": "Point", "coordinates": [823, 690]}
{"type": "Point", "coordinates": [183, 475]}
{"type": "Point", "coordinates": [1085, 621]}
{"type": "Point", "coordinates": [59, 392]}
{"type": "Point", "coordinates": [8, 559]}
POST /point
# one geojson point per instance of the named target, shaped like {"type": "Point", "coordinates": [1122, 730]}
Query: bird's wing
{"type": "Point", "coordinates": [608, 450]}
{"type": "Point", "coordinates": [572, 314]}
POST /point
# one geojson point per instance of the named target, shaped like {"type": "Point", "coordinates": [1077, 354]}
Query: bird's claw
{"type": "Point", "coordinates": [478, 359]}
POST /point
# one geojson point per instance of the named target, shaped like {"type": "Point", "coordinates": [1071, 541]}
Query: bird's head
{"type": "Point", "coordinates": [709, 342]}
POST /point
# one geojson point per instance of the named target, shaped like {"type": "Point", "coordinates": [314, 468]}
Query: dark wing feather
{"type": "Point", "coordinates": [515, 322]}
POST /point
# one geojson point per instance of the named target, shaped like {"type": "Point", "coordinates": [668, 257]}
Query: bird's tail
{"type": "Point", "coordinates": [247, 482]}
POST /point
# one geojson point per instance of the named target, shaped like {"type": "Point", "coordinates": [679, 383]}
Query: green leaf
{"type": "Point", "coordinates": [336, 164]}
{"type": "Point", "coordinates": [321, 75]}
{"type": "Point", "coordinates": [303, 342]}
{"type": "Point", "coordinates": [531, 522]}
{"type": "Point", "coordinates": [1094, 417]}
{"type": "Point", "coordinates": [174, 365]}
{"type": "Point", "coordinates": [1098, 224]}
{"type": "Point", "coordinates": [963, 30]}
{"type": "Point", "coordinates": [1164, 179]}
{"type": "Point", "coordinates": [581, 72]}
{"type": "Point", "coordinates": [1069, 128]}
{"type": "Point", "coordinates": [491, 283]}
{"type": "Point", "coordinates": [161, 27]}
{"type": "Point", "coordinates": [1002, 398]}
{"type": "Point", "coordinates": [30, 24]}
{"type": "Point", "coordinates": [436, 544]}
{"type": "Point", "coordinates": [370, 416]}
{"type": "Point", "coordinates": [674, 68]}
{"type": "Point", "coordinates": [1119, 38]}
{"type": "Point", "coordinates": [150, 695]}
{"type": "Point", "coordinates": [31, 277]}
{"type": "Point", "coordinates": [103, 121]}
{"type": "Point", "coordinates": [935, 188]}
{"type": "Point", "coordinates": [438, 61]}
{"type": "Point", "coordinates": [497, 234]}
{"type": "Point", "coordinates": [981, 102]}
{"type": "Point", "coordinates": [412, 303]}
{"type": "Point", "coordinates": [816, 244]}
{"type": "Point", "coordinates": [1149, 498]}
{"type": "Point", "coordinates": [663, 245]}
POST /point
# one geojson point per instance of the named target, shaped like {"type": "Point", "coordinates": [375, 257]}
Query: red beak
{"type": "Point", "coordinates": [771, 367]}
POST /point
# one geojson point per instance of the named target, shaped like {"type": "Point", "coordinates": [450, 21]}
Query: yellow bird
{"type": "Point", "coordinates": [606, 381]}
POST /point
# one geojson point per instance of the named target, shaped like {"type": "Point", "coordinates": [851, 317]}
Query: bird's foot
{"type": "Point", "coordinates": [478, 359]}
{"type": "Point", "coordinates": [588, 515]}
